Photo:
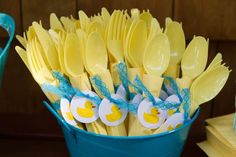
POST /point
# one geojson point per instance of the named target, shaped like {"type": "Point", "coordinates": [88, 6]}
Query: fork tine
{"type": "Point", "coordinates": [114, 25]}
{"type": "Point", "coordinates": [110, 26]}
{"type": "Point", "coordinates": [122, 26]}
{"type": "Point", "coordinates": [119, 24]}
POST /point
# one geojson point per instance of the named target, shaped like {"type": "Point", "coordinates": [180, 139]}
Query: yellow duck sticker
{"type": "Point", "coordinates": [115, 115]}
{"type": "Point", "coordinates": [169, 128]}
{"type": "Point", "coordinates": [86, 112]}
{"type": "Point", "coordinates": [151, 117]}
{"type": "Point", "coordinates": [170, 112]}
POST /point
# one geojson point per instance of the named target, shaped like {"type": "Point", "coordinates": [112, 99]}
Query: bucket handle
{"type": "Point", "coordinates": [8, 24]}
{"type": "Point", "coordinates": [57, 116]}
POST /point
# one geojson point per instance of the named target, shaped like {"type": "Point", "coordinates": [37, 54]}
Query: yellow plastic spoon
{"type": "Point", "coordinates": [73, 55]}
{"type": "Point", "coordinates": [137, 43]}
{"type": "Point", "coordinates": [73, 62]}
{"type": "Point", "coordinates": [147, 17]}
{"type": "Point", "coordinates": [96, 60]}
{"type": "Point", "coordinates": [96, 54]}
{"type": "Point", "coordinates": [154, 28]}
{"type": "Point", "coordinates": [194, 61]}
{"type": "Point", "coordinates": [157, 55]}
{"type": "Point", "coordinates": [155, 61]}
{"type": "Point", "coordinates": [207, 86]}
{"type": "Point", "coordinates": [175, 34]}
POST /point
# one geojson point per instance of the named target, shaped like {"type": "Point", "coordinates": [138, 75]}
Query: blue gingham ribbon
{"type": "Point", "coordinates": [123, 75]}
{"type": "Point", "coordinates": [101, 86]}
{"type": "Point", "coordinates": [185, 94]}
{"type": "Point", "coordinates": [65, 89]}
{"type": "Point", "coordinates": [164, 105]}
{"type": "Point", "coordinates": [170, 87]}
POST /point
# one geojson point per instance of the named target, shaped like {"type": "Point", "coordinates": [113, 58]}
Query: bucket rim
{"type": "Point", "coordinates": [75, 129]}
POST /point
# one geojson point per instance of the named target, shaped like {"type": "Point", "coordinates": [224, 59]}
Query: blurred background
{"type": "Point", "coordinates": [29, 129]}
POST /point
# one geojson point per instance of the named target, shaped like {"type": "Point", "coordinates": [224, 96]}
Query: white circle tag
{"type": "Point", "coordinates": [174, 121]}
{"type": "Point", "coordinates": [150, 116]}
{"type": "Point", "coordinates": [110, 113]}
{"type": "Point", "coordinates": [122, 92]}
{"type": "Point", "coordinates": [172, 99]}
{"type": "Point", "coordinates": [65, 111]}
{"type": "Point", "coordinates": [83, 109]}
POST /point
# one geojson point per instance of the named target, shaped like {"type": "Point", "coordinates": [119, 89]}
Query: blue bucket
{"type": "Point", "coordinates": [7, 23]}
{"type": "Point", "coordinates": [81, 143]}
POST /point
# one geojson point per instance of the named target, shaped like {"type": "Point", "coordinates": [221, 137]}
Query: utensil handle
{"type": "Point", "coordinates": [56, 115]}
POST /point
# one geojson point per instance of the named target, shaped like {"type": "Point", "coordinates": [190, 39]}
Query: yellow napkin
{"type": "Point", "coordinates": [153, 83]}
{"type": "Point", "coordinates": [82, 82]}
{"type": "Point", "coordinates": [51, 97]}
{"type": "Point", "coordinates": [118, 130]}
{"type": "Point", "coordinates": [135, 127]}
{"type": "Point", "coordinates": [132, 73]}
{"type": "Point", "coordinates": [116, 81]}
{"type": "Point", "coordinates": [209, 150]}
{"type": "Point", "coordinates": [218, 142]}
{"type": "Point", "coordinates": [220, 137]}
{"type": "Point", "coordinates": [115, 74]}
{"type": "Point", "coordinates": [224, 126]}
